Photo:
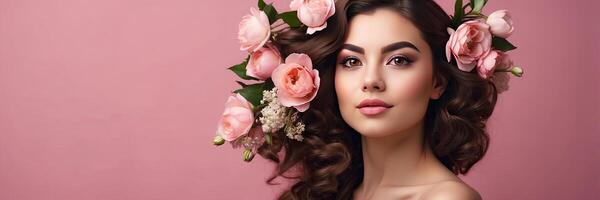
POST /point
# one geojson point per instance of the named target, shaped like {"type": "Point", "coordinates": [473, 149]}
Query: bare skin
{"type": "Point", "coordinates": [395, 165]}
{"type": "Point", "coordinates": [401, 170]}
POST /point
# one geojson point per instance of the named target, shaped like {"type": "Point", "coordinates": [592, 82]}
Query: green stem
{"type": "Point", "coordinates": [257, 109]}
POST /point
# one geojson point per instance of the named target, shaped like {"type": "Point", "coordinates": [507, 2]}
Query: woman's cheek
{"type": "Point", "coordinates": [347, 89]}
{"type": "Point", "coordinates": [410, 85]}
{"type": "Point", "coordinates": [409, 89]}
{"type": "Point", "coordinates": [343, 87]}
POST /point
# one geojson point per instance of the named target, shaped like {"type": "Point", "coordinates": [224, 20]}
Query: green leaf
{"type": "Point", "coordinates": [241, 83]}
{"type": "Point", "coordinates": [477, 5]}
{"type": "Point", "coordinates": [240, 70]}
{"type": "Point", "coordinates": [502, 44]}
{"type": "Point", "coordinates": [269, 84]}
{"type": "Point", "coordinates": [252, 93]}
{"type": "Point", "coordinates": [271, 12]}
{"type": "Point", "coordinates": [261, 4]}
{"type": "Point", "coordinates": [291, 18]}
{"type": "Point", "coordinates": [458, 13]}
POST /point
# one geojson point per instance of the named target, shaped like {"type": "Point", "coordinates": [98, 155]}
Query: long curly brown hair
{"type": "Point", "coordinates": [328, 163]}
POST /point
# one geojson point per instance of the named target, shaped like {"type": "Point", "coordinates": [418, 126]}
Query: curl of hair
{"type": "Point", "coordinates": [328, 163]}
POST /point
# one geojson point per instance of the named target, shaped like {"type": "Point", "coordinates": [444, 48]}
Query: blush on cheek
{"type": "Point", "coordinates": [346, 89]}
{"type": "Point", "coordinates": [413, 87]}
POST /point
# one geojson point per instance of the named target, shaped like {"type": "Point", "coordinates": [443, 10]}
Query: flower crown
{"type": "Point", "coordinates": [286, 87]}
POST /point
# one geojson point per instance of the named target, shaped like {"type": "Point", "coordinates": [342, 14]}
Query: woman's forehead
{"type": "Point", "coordinates": [381, 28]}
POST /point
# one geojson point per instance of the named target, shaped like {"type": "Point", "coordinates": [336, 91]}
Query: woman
{"type": "Point", "coordinates": [430, 123]}
{"type": "Point", "coordinates": [376, 99]}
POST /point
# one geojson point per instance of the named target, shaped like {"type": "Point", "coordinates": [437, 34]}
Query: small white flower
{"type": "Point", "coordinates": [274, 114]}
{"type": "Point", "coordinates": [294, 128]}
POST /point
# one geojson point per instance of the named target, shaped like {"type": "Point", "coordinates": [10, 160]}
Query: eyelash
{"type": "Point", "coordinates": [407, 60]}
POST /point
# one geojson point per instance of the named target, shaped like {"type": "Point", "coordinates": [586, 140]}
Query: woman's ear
{"type": "Point", "coordinates": [439, 85]}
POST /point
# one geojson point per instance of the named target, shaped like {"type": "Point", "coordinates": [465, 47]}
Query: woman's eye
{"type": "Point", "coordinates": [400, 60]}
{"type": "Point", "coordinates": [350, 62]}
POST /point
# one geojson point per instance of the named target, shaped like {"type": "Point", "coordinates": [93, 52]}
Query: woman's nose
{"type": "Point", "coordinates": [373, 81]}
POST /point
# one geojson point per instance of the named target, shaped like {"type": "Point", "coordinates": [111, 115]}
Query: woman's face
{"type": "Point", "coordinates": [384, 58]}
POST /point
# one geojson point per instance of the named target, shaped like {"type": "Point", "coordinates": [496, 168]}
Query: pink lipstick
{"type": "Point", "coordinates": [372, 107]}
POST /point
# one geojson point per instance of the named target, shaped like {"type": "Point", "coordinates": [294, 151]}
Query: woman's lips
{"type": "Point", "coordinates": [372, 110]}
{"type": "Point", "coordinates": [371, 107]}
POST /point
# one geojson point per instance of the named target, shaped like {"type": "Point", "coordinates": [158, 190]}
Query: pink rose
{"type": "Point", "coordinates": [468, 43]}
{"type": "Point", "coordinates": [313, 13]}
{"type": "Point", "coordinates": [487, 65]}
{"type": "Point", "coordinates": [254, 30]}
{"type": "Point", "coordinates": [237, 119]}
{"type": "Point", "coordinates": [263, 61]}
{"type": "Point", "coordinates": [501, 23]}
{"type": "Point", "coordinates": [296, 81]}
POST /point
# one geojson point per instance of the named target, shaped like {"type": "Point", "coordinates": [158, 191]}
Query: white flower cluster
{"type": "Point", "coordinates": [294, 131]}
{"type": "Point", "coordinates": [273, 115]}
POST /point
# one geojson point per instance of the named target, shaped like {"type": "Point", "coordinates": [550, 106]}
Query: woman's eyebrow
{"type": "Point", "coordinates": [387, 48]}
{"type": "Point", "coordinates": [354, 48]}
{"type": "Point", "coordinates": [399, 45]}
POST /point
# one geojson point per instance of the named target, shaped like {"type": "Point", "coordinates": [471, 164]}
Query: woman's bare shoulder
{"type": "Point", "coordinates": [451, 190]}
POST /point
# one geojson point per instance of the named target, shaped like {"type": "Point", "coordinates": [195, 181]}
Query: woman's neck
{"type": "Point", "coordinates": [399, 160]}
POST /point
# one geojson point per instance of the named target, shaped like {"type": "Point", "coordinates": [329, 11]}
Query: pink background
{"type": "Point", "coordinates": [119, 100]}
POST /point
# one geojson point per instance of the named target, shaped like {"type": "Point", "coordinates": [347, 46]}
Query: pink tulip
{"type": "Point", "coordinates": [237, 119]}
{"type": "Point", "coordinates": [263, 61]}
{"type": "Point", "coordinates": [313, 13]}
{"type": "Point", "coordinates": [501, 23]}
{"type": "Point", "coordinates": [468, 43]}
{"type": "Point", "coordinates": [254, 30]}
{"type": "Point", "coordinates": [296, 81]}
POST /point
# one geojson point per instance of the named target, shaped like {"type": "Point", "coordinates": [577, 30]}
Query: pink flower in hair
{"type": "Point", "coordinates": [501, 23]}
{"type": "Point", "coordinates": [237, 119]}
{"type": "Point", "coordinates": [263, 61]}
{"type": "Point", "coordinates": [468, 44]}
{"type": "Point", "coordinates": [296, 81]}
{"type": "Point", "coordinates": [313, 13]}
{"type": "Point", "coordinates": [490, 62]}
{"type": "Point", "coordinates": [254, 30]}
